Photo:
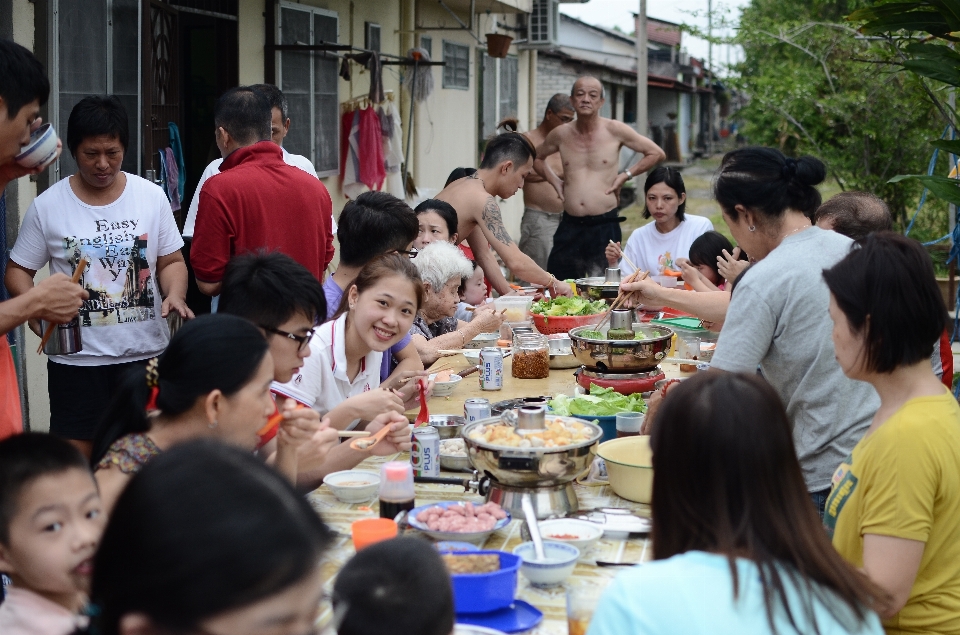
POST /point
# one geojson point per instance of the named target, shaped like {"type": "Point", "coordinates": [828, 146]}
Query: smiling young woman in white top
{"type": "Point", "coordinates": [341, 377]}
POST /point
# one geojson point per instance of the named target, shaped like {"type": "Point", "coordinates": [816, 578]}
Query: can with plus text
{"type": "Point", "coordinates": [476, 409]}
{"type": "Point", "coordinates": [425, 453]}
{"type": "Point", "coordinates": [491, 369]}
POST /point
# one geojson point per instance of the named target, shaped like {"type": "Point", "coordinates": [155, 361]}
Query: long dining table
{"type": "Point", "coordinates": [550, 601]}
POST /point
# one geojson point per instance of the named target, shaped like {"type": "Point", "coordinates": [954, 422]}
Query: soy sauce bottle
{"type": "Point", "coordinates": [396, 489]}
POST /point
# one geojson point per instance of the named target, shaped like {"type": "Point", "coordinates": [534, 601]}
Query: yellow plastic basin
{"type": "Point", "coordinates": [629, 467]}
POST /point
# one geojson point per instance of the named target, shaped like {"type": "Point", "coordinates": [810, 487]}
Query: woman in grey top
{"type": "Point", "coordinates": [778, 318]}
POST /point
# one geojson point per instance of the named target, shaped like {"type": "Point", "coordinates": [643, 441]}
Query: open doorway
{"type": "Point", "coordinates": [209, 62]}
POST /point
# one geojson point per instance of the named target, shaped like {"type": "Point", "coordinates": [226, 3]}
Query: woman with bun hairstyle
{"type": "Point", "coordinates": [212, 381]}
{"type": "Point", "coordinates": [207, 540]}
{"type": "Point", "coordinates": [777, 319]}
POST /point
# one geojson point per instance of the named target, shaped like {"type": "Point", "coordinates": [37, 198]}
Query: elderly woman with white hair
{"type": "Point", "coordinates": [442, 268]}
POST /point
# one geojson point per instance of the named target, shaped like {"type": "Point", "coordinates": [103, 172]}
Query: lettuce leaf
{"type": "Point", "coordinates": [600, 402]}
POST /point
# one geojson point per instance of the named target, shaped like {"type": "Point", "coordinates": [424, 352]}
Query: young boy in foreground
{"type": "Point", "coordinates": [50, 525]}
{"type": "Point", "coordinates": [397, 586]}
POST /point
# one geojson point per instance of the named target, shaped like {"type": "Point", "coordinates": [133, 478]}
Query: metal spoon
{"type": "Point", "coordinates": [526, 502]}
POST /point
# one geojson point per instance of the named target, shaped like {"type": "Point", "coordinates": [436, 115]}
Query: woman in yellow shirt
{"type": "Point", "coordinates": [895, 505]}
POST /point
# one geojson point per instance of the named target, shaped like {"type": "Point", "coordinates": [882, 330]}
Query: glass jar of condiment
{"type": "Point", "coordinates": [531, 356]}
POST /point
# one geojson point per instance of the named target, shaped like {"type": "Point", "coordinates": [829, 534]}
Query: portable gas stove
{"type": "Point", "coordinates": [623, 383]}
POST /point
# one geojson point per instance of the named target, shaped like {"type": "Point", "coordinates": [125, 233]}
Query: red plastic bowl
{"type": "Point", "coordinates": [548, 325]}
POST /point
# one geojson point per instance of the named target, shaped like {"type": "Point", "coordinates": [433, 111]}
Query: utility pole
{"type": "Point", "coordinates": [643, 120]}
{"type": "Point", "coordinates": [710, 76]}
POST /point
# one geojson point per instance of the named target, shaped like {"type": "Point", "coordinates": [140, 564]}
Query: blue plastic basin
{"type": "Point", "coordinates": [484, 592]}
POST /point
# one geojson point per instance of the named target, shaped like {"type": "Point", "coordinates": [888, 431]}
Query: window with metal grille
{"type": "Point", "coordinates": [542, 21]}
{"type": "Point", "coordinates": [309, 81]}
{"type": "Point", "coordinates": [456, 71]}
{"type": "Point", "coordinates": [95, 51]}
{"type": "Point", "coordinates": [426, 43]}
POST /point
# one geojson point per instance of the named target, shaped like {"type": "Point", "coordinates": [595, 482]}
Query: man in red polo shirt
{"type": "Point", "coordinates": [257, 201]}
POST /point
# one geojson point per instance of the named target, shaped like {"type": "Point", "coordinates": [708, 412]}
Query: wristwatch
{"type": "Point", "coordinates": [628, 173]}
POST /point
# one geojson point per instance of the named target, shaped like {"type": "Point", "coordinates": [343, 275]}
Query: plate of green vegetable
{"type": "Point", "coordinates": [600, 405]}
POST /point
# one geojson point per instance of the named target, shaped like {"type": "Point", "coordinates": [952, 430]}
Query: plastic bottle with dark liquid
{"type": "Point", "coordinates": [396, 489]}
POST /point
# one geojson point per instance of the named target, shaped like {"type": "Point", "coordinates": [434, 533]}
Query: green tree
{"type": "Point", "coordinates": [817, 86]}
{"type": "Point", "coordinates": [923, 36]}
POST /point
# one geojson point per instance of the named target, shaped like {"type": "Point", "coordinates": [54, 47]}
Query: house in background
{"type": "Point", "coordinates": [677, 88]}
{"type": "Point", "coordinates": [169, 60]}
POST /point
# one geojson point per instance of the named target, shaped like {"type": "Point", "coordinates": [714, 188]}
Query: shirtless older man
{"type": "Point", "coordinates": [507, 161]}
{"type": "Point", "coordinates": [541, 204]}
{"type": "Point", "coordinates": [590, 152]}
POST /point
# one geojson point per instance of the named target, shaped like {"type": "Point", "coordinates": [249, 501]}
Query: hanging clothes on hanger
{"type": "Point", "coordinates": [363, 166]}
{"type": "Point", "coordinates": [349, 160]}
{"type": "Point", "coordinates": [177, 146]}
{"type": "Point", "coordinates": [371, 61]}
{"type": "Point", "coordinates": [392, 149]}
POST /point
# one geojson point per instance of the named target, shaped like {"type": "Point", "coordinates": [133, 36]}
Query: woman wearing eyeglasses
{"type": "Point", "coordinates": [212, 381]}
{"type": "Point", "coordinates": [341, 377]}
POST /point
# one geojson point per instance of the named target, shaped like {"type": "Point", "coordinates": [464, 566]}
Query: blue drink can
{"type": "Point", "coordinates": [476, 409]}
{"type": "Point", "coordinates": [491, 369]}
{"type": "Point", "coordinates": [425, 453]}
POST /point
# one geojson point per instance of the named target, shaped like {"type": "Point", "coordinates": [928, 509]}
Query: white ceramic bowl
{"type": "Point", "coordinates": [586, 533]}
{"type": "Point", "coordinates": [484, 339]}
{"type": "Point", "coordinates": [444, 388]}
{"type": "Point", "coordinates": [353, 486]}
{"type": "Point", "coordinates": [41, 150]}
{"type": "Point", "coordinates": [561, 559]}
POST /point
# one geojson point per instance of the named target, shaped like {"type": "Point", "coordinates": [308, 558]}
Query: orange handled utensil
{"type": "Point", "coordinates": [369, 442]}
{"type": "Point", "coordinates": [274, 421]}
{"type": "Point", "coordinates": [424, 415]}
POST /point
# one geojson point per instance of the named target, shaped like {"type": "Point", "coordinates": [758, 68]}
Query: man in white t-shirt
{"type": "Point", "coordinates": [279, 127]}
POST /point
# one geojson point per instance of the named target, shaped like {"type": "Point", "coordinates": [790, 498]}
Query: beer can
{"type": "Point", "coordinates": [425, 453]}
{"type": "Point", "coordinates": [491, 369]}
{"type": "Point", "coordinates": [476, 409]}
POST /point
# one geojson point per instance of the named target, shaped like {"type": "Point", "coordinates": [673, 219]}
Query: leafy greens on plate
{"type": "Point", "coordinates": [562, 306]}
{"type": "Point", "coordinates": [601, 402]}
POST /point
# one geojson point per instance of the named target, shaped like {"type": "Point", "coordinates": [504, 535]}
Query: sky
{"type": "Point", "coordinates": [610, 13]}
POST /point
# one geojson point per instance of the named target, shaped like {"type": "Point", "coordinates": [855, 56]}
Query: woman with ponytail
{"type": "Point", "coordinates": [778, 318]}
{"type": "Point", "coordinates": [212, 381]}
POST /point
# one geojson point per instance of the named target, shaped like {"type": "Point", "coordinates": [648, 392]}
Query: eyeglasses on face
{"type": "Point", "coordinates": [410, 254]}
{"type": "Point", "coordinates": [302, 340]}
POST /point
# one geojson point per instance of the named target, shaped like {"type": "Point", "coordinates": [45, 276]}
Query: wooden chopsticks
{"type": "Point", "coordinates": [624, 256]}
{"type": "Point", "coordinates": [76, 278]}
{"type": "Point", "coordinates": [636, 276]}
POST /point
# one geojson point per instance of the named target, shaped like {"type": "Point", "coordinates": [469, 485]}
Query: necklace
{"type": "Point", "coordinates": [798, 229]}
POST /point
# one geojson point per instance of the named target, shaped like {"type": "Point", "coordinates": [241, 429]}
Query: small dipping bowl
{"type": "Point", "coordinates": [353, 486]}
{"type": "Point", "coordinates": [41, 150]}
{"type": "Point", "coordinates": [447, 426]}
{"type": "Point", "coordinates": [444, 388]}
{"type": "Point", "coordinates": [579, 533]}
{"type": "Point", "coordinates": [561, 558]}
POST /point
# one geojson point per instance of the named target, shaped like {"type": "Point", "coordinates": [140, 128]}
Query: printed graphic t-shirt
{"type": "Point", "coordinates": [652, 251]}
{"type": "Point", "coordinates": [903, 480]}
{"type": "Point", "coordinates": [120, 322]}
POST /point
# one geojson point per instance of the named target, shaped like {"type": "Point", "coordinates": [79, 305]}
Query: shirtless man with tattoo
{"type": "Point", "coordinates": [507, 161]}
{"type": "Point", "coordinates": [590, 152]}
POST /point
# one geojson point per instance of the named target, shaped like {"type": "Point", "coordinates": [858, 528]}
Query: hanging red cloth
{"type": "Point", "coordinates": [372, 173]}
